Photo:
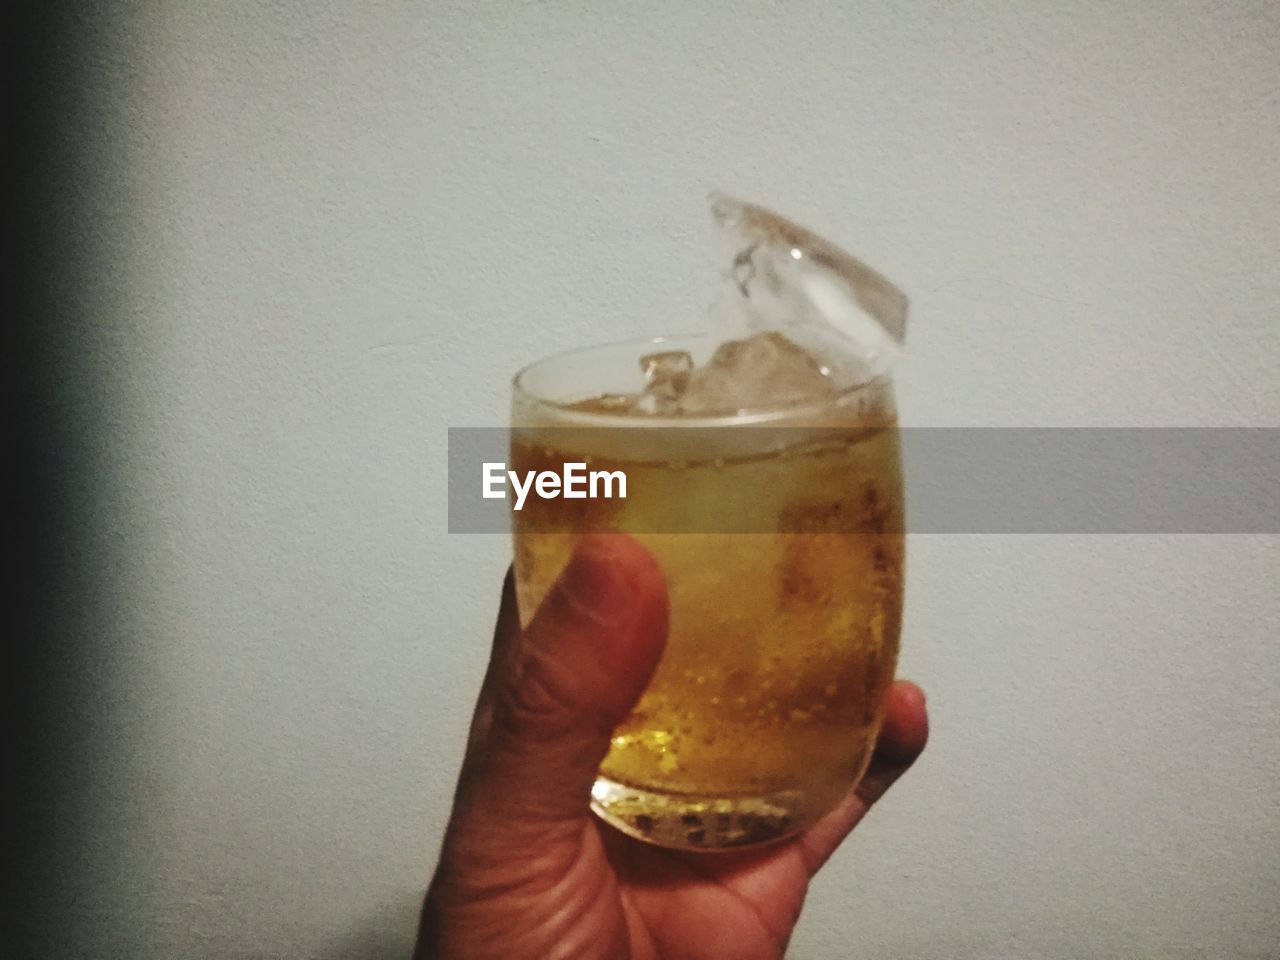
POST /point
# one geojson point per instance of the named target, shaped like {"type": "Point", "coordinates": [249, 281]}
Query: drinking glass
{"type": "Point", "coordinates": [780, 533]}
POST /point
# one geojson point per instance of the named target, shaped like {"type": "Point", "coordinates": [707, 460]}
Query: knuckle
{"type": "Point", "coordinates": [537, 701]}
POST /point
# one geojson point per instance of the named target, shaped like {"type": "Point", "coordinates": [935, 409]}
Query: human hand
{"type": "Point", "coordinates": [526, 872]}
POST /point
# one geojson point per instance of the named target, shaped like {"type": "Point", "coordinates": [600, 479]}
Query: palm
{"type": "Point", "coordinates": [742, 904]}
{"type": "Point", "coordinates": [624, 898]}
{"type": "Point", "coordinates": [595, 893]}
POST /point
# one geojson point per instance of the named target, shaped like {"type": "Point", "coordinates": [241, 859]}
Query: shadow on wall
{"type": "Point", "coordinates": [64, 534]}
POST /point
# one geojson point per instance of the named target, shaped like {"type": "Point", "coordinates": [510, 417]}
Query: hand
{"type": "Point", "coordinates": [527, 873]}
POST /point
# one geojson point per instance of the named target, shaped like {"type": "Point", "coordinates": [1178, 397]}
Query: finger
{"type": "Point", "coordinates": [578, 670]}
{"type": "Point", "coordinates": [506, 633]}
{"type": "Point", "coordinates": [506, 646]}
{"type": "Point", "coordinates": [901, 740]}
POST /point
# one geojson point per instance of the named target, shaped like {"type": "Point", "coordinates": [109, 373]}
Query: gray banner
{"type": "Point", "coordinates": [957, 480]}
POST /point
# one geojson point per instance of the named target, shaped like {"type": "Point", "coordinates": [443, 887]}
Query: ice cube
{"type": "Point", "coordinates": [667, 371]}
{"type": "Point", "coordinates": [666, 374]}
{"type": "Point", "coordinates": [763, 370]}
{"type": "Point", "coordinates": [784, 276]}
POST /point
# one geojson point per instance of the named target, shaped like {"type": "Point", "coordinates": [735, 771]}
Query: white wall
{"type": "Point", "coordinates": [331, 230]}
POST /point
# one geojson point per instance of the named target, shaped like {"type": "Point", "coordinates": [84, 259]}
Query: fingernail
{"type": "Point", "coordinates": [596, 583]}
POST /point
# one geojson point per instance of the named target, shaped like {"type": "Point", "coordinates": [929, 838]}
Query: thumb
{"type": "Point", "coordinates": [575, 674]}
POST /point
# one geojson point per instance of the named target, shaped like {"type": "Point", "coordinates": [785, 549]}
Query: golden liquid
{"type": "Point", "coordinates": [765, 706]}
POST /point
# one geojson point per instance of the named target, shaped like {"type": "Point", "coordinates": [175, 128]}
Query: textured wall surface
{"type": "Point", "coordinates": [311, 236]}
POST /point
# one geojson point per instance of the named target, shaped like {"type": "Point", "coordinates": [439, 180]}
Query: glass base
{"type": "Point", "coordinates": [691, 822]}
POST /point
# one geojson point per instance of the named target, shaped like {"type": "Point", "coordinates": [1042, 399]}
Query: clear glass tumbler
{"type": "Point", "coordinates": [780, 533]}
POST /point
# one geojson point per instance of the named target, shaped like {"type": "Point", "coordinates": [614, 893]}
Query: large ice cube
{"type": "Point", "coordinates": [763, 370]}
{"type": "Point", "coordinates": [784, 276]}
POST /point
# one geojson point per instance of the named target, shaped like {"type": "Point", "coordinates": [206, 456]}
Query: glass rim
{"type": "Point", "coordinates": [753, 416]}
